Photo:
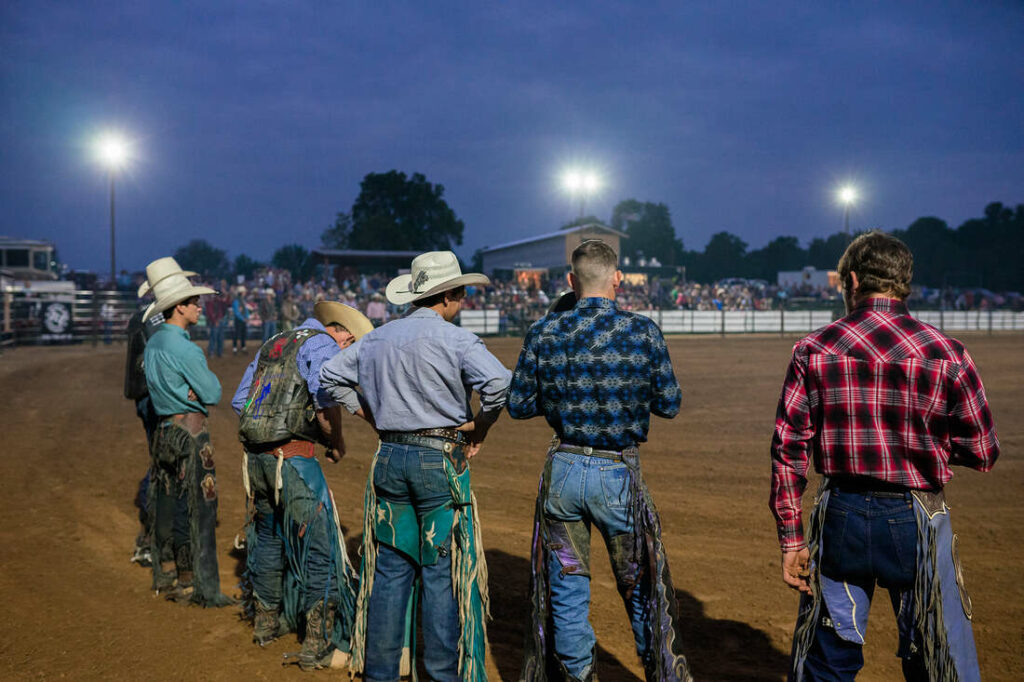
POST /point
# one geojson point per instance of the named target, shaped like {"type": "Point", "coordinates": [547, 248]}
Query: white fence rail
{"type": "Point", "coordinates": [775, 321]}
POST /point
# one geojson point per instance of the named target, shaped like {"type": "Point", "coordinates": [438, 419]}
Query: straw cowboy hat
{"type": "Point", "coordinates": [332, 312]}
{"type": "Point", "coordinates": [432, 273]}
{"type": "Point", "coordinates": [169, 285]}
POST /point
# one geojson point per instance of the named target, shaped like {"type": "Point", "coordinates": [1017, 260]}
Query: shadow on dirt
{"type": "Point", "coordinates": [715, 649]}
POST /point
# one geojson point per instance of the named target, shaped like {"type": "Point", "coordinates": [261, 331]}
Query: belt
{"type": "Point", "coordinates": [193, 421]}
{"type": "Point", "coordinates": [861, 485]}
{"type": "Point", "coordinates": [444, 440]}
{"type": "Point", "coordinates": [290, 448]}
{"type": "Point", "coordinates": [614, 455]}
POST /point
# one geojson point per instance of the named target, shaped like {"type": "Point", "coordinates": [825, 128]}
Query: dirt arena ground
{"type": "Point", "coordinates": [72, 606]}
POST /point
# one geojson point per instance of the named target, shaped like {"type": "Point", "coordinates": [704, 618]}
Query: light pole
{"type": "Point", "coordinates": [581, 183]}
{"type": "Point", "coordinates": [847, 195]}
{"type": "Point", "coordinates": [112, 151]}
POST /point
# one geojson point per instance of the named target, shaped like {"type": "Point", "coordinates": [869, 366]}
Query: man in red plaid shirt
{"type": "Point", "coordinates": [885, 405]}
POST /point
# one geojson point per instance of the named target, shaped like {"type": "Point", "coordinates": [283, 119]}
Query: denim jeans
{"type": "Point", "coordinates": [866, 539]}
{"type": "Point", "coordinates": [216, 345]}
{"type": "Point", "coordinates": [269, 329]}
{"type": "Point", "coordinates": [267, 558]}
{"type": "Point", "coordinates": [593, 490]}
{"type": "Point", "coordinates": [415, 475]}
{"type": "Point", "coordinates": [238, 337]}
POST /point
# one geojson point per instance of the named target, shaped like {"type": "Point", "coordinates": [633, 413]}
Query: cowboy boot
{"type": "Point", "coordinates": [317, 650]}
{"type": "Point", "coordinates": [267, 624]}
{"type": "Point", "coordinates": [183, 589]}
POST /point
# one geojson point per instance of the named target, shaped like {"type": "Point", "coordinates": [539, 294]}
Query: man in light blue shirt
{"type": "Point", "coordinates": [181, 387]}
{"type": "Point", "coordinates": [417, 375]}
{"type": "Point", "coordinates": [296, 567]}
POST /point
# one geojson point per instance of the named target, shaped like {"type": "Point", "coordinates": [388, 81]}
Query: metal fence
{"type": "Point", "coordinates": [30, 318]}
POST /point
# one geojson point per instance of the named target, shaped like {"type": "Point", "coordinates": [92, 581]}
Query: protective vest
{"type": "Point", "coordinates": [279, 406]}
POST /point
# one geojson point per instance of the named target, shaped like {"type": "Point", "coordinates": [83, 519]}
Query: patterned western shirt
{"type": "Point", "coordinates": [877, 394]}
{"type": "Point", "coordinates": [596, 374]}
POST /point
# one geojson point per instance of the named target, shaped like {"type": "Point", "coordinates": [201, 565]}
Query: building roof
{"type": "Point", "coordinates": [552, 235]}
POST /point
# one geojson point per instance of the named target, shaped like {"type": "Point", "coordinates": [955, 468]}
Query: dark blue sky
{"type": "Point", "coordinates": [255, 121]}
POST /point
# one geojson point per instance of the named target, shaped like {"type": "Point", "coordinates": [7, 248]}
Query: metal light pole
{"type": "Point", "coordinates": [112, 151]}
{"type": "Point", "coordinates": [847, 195]}
{"type": "Point", "coordinates": [113, 268]}
{"type": "Point", "coordinates": [581, 183]}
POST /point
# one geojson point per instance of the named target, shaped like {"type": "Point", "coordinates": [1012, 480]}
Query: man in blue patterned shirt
{"type": "Point", "coordinates": [596, 374]}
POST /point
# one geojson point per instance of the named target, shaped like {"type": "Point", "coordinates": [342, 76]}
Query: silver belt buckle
{"type": "Point", "coordinates": [587, 450]}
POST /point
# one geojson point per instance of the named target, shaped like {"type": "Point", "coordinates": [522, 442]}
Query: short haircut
{"type": "Point", "coordinates": [430, 301]}
{"type": "Point", "coordinates": [338, 325]}
{"type": "Point", "coordinates": [594, 263]}
{"type": "Point", "coordinates": [884, 265]}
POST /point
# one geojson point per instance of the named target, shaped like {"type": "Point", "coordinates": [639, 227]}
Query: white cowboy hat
{"type": "Point", "coordinates": [169, 285]}
{"type": "Point", "coordinates": [432, 273]}
{"type": "Point", "coordinates": [172, 268]}
{"type": "Point", "coordinates": [332, 312]}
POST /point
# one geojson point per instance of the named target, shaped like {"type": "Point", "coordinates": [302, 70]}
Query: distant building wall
{"type": "Point", "coordinates": [546, 253]}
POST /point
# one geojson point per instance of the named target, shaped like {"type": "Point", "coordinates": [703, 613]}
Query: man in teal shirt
{"type": "Point", "coordinates": [183, 502]}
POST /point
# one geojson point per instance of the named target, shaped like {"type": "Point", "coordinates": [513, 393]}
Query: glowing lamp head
{"type": "Point", "coordinates": [112, 151]}
{"type": "Point", "coordinates": [573, 181]}
{"type": "Point", "coordinates": [581, 182]}
{"type": "Point", "coordinates": [847, 195]}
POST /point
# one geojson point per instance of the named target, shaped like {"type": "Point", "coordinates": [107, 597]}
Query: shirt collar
{"type": "Point", "coordinates": [173, 328]}
{"type": "Point", "coordinates": [597, 302]}
{"type": "Point", "coordinates": [313, 323]}
{"type": "Point", "coordinates": [883, 305]}
{"type": "Point", "coordinates": [425, 312]}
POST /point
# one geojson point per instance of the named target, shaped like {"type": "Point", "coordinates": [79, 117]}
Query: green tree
{"type": "Point", "coordinates": [246, 266]}
{"type": "Point", "coordinates": [932, 243]}
{"type": "Point", "coordinates": [397, 212]}
{"type": "Point", "coordinates": [202, 257]}
{"type": "Point", "coordinates": [337, 235]}
{"type": "Point", "coordinates": [724, 256]}
{"type": "Point", "coordinates": [296, 259]}
{"type": "Point", "coordinates": [650, 231]}
{"type": "Point", "coordinates": [781, 253]}
{"type": "Point", "coordinates": [824, 253]}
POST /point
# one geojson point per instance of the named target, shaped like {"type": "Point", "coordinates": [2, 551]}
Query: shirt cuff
{"type": "Point", "coordinates": [792, 540]}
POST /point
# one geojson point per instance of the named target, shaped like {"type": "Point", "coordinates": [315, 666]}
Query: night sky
{"type": "Point", "coordinates": [254, 122]}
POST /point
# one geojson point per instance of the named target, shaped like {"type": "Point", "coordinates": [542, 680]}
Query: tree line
{"type": "Point", "coordinates": [395, 211]}
{"type": "Point", "coordinates": [974, 254]}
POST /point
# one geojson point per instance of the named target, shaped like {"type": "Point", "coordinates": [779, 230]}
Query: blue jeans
{"type": "Point", "coordinates": [866, 539]}
{"type": "Point", "coordinates": [216, 344]}
{"type": "Point", "coordinates": [308, 521]}
{"type": "Point", "coordinates": [591, 490]}
{"type": "Point", "coordinates": [415, 475]}
{"type": "Point", "coordinates": [269, 329]}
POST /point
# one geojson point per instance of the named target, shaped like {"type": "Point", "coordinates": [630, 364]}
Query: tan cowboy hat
{"type": "Point", "coordinates": [169, 285]}
{"type": "Point", "coordinates": [332, 312]}
{"type": "Point", "coordinates": [169, 266]}
{"type": "Point", "coordinates": [432, 273]}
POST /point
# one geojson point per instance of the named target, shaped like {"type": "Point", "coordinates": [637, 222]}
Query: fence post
{"type": "Point", "coordinates": [723, 322]}
{"type": "Point", "coordinates": [990, 322]}
{"type": "Point", "coordinates": [782, 321]}
{"type": "Point", "coordinates": [95, 316]}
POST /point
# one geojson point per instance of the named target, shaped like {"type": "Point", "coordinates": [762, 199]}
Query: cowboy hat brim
{"type": "Point", "coordinates": [145, 286]}
{"type": "Point", "coordinates": [328, 312]}
{"type": "Point", "coordinates": [398, 289]}
{"type": "Point", "coordinates": [179, 296]}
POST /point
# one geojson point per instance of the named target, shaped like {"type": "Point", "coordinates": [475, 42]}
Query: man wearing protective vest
{"type": "Point", "coordinates": [417, 374]}
{"type": "Point", "coordinates": [183, 488]}
{"type": "Point", "coordinates": [297, 568]}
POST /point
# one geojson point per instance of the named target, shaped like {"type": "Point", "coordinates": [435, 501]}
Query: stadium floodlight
{"type": "Point", "coordinates": [113, 151]}
{"type": "Point", "coordinates": [581, 184]}
{"type": "Point", "coordinates": [847, 196]}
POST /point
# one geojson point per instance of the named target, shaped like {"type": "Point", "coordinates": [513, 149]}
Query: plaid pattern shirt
{"type": "Point", "coordinates": [596, 373]}
{"type": "Point", "coordinates": [877, 394]}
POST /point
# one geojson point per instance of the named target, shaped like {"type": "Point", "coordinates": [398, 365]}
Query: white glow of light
{"type": "Point", "coordinates": [581, 182]}
{"type": "Point", "coordinates": [112, 150]}
{"type": "Point", "coordinates": [847, 195]}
